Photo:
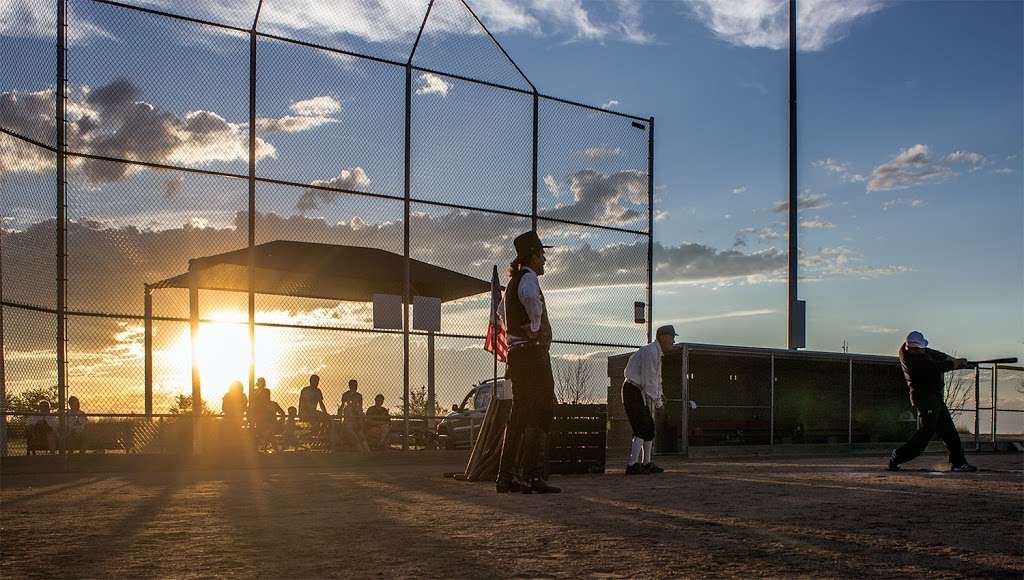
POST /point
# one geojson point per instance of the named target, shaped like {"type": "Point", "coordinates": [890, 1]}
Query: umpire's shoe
{"type": "Point", "coordinates": [964, 468]}
{"type": "Point", "coordinates": [509, 485]}
{"type": "Point", "coordinates": [538, 485]}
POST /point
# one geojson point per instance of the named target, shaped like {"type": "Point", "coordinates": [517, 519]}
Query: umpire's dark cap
{"type": "Point", "coordinates": [528, 243]}
{"type": "Point", "coordinates": [667, 329]}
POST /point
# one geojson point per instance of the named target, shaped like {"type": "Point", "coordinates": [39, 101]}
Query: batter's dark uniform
{"type": "Point", "coordinates": [923, 370]}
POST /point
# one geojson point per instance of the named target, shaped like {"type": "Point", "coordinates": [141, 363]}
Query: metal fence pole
{"type": "Point", "coordinates": [977, 407]}
{"type": "Point", "coordinates": [793, 216]}
{"type": "Point", "coordinates": [3, 373]}
{"type": "Point", "coordinates": [61, 223]}
{"type": "Point", "coordinates": [849, 410]}
{"type": "Point", "coordinates": [406, 282]}
{"type": "Point", "coordinates": [252, 202]}
{"type": "Point", "coordinates": [650, 229]}
{"type": "Point", "coordinates": [771, 405]}
{"type": "Point", "coordinates": [536, 146]}
{"type": "Point", "coordinates": [995, 401]}
{"type": "Point", "coordinates": [147, 349]}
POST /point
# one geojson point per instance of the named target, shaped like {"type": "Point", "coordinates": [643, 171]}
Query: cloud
{"type": "Point", "coordinates": [660, 216]}
{"type": "Point", "coordinates": [910, 168]}
{"type": "Point", "coordinates": [354, 179]}
{"type": "Point", "coordinates": [841, 169]}
{"type": "Point", "coordinates": [601, 153]}
{"type": "Point", "coordinates": [316, 106]}
{"type": "Point", "coordinates": [804, 201]}
{"type": "Point", "coordinates": [34, 19]}
{"type": "Point", "coordinates": [610, 104]}
{"type": "Point", "coordinates": [432, 85]}
{"type": "Point", "coordinates": [840, 261]}
{"type": "Point", "coordinates": [290, 124]}
{"type": "Point", "coordinates": [974, 161]}
{"type": "Point", "coordinates": [114, 121]}
{"type": "Point", "coordinates": [765, 23]}
{"type": "Point", "coordinates": [816, 223]}
{"type": "Point", "coordinates": [1003, 171]}
{"type": "Point", "coordinates": [398, 21]}
{"type": "Point", "coordinates": [552, 184]}
{"type": "Point", "coordinates": [887, 205]}
{"type": "Point", "coordinates": [876, 329]}
{"type": "Point", "coordinates": [769, 233]}
{"type": "Point", "coordinates": [618, 199]}
{"type": "Point", "coordinates": [725, 315]}
{"type": "Point", "coordinates": [739, 189]}
{"type": "Point", "coordinates": [173, 187]}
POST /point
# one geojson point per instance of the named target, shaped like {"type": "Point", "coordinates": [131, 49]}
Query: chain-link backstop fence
{"type": "Point", "coordinates": [137, 137]}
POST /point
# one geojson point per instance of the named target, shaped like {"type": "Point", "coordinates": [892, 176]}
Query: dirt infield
{"type": "Point", "coordinates": [766, 517]}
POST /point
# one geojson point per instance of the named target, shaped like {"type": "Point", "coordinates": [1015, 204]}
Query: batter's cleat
{"type": "Point", "coordinates": [893, 465]}
{"type": "Point", "coordinates": [635, 469]}
{"type": "Point", "coordinates": [964, 468]}
{"type": "Point", "coordinates": [652, 468]}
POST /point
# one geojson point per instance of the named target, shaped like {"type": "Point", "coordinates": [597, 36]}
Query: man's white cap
{"type": "Point", "coordinates": [917, 339]}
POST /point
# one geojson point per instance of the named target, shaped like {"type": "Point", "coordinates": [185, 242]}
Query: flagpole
{"type": "Point", "coordinates": [494, 339]}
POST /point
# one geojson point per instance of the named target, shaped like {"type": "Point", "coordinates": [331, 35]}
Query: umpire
{"type": "Point", "coordinates": [923, 368]}
{"type": "Point", "coordinates": [529, 369]}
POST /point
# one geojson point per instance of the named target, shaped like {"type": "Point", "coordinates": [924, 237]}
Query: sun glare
{"type": "Point", "coordinates": [223, 352]}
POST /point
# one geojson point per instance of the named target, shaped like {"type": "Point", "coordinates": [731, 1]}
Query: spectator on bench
{"type": "Point", "coordinates": [41, 430]}
{"type": "Point", "coordinates": [263, 414]}
{"type": "Point", "coordinates": [289, 434]}
{"type": "Point", "coordinates": [351, 416]}
{"type": "Point", "coordinates": [234, 405]}
{"type": "Point", "coordinates": [378, 424]}
{"type": "Point", "coordinates": [76, 422]}
{"type": "Point", "coordinates": [311, 405]}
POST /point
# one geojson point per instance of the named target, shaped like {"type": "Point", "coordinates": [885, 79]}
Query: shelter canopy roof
{"type": "Point", "coordinates": [327, 271]}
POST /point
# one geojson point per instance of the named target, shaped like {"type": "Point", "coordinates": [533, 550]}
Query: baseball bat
{"type": "Point", "coordinates": [1007, 360]}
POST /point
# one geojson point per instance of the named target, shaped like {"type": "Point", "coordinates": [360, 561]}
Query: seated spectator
{"type": "Point", "coordinates": [263, 413]}
{"type": "Point", "coordinates": [289, 436]}
{"type": "Point", "coordinates": [352, 395]}
{"type": "Point", "coordinates": [378, 424]}
{"type": "Point", "coordinates": [76, 422]}
{"type": "Point", "coordinates": [311, 405]}
{"type": "Point", "coordinates": [234, 405]}
{"type": "Point", "coordinates": [352, 426]}
{"type": "Point", "coordinates": [41, 430]}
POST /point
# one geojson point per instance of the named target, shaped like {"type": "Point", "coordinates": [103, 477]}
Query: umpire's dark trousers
{"type": "Point", "coordinates": [533, 393]}
{"type": "Point", "coordinates": [934, 419]}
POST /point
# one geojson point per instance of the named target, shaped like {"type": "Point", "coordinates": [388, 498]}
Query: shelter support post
{"type": "Point", "coordinates": [431, 393]}
{"type": "Point", "coordinates": [193, 320]}
{"type": "Point", "coordinates": [148, 351]}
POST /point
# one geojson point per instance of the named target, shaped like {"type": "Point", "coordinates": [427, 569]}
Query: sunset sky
{"type": "Point", "coordinates": [910, 154]}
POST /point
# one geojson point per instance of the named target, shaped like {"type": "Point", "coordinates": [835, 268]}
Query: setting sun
{"type": "Point", "coordinates": [223, 352]}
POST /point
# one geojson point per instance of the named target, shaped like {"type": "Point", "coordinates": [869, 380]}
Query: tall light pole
{"type": "Point", "coordinates": [796, 312]}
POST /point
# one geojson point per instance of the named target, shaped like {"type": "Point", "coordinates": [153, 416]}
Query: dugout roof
{"type": "Point", "coordinates": [327, 271]}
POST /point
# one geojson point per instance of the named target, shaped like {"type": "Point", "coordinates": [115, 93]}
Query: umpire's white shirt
{"type": "Point", "coordinates": [644, 370]}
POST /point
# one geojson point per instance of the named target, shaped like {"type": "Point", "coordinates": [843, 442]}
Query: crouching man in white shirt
{"type": "Point", "coordinates": [641, 394]}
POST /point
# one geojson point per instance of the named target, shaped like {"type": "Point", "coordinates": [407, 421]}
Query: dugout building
{"type": "Point", "coordinates": [742, 396]}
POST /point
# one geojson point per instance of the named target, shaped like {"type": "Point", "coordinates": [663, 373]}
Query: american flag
{"type": "Point", "coordinates": [497, 336]}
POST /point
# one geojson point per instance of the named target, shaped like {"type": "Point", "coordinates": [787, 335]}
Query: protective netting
{"type": "Point", "coordinates": [157, 151]}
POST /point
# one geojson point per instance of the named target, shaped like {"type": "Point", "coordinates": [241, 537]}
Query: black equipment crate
{"type": "Point", "coordinates": [576, 443]}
